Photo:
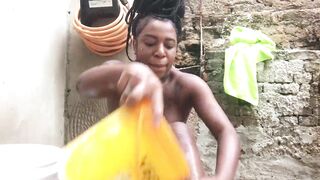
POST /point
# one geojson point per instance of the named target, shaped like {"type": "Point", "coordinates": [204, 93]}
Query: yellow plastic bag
{"type": "Point", "coordinates": [126, 145]}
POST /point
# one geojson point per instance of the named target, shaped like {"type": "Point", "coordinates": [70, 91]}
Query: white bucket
{"type": "Point", "coordinates": [29, 161]}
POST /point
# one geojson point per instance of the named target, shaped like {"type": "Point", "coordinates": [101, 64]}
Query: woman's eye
{"type": "Point", "coordinates": [149, 44]}
{"type": "Point", "coordinates": [170, 45]}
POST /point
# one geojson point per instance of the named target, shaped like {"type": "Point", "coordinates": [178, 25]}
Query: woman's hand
{"type": "Point", "coordinates": [137, 82]}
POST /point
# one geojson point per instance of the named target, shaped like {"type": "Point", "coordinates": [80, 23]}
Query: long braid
{"type": "Point", "coordinates": [129, 18]}
{"type": "Point", "coordinates": [172, 10]}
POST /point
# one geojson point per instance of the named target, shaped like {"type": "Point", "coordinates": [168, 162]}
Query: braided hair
{"type": "Point", "coordinates": [143, 10]}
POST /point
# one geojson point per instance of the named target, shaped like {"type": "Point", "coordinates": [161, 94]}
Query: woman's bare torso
{"type": "Point", "coordinates": [177, 100]}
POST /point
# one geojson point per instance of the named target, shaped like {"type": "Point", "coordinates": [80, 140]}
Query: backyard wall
{"type": "Point", "coordinates": [32, 71]}
{"type": "Point", "coordinates": [280, 138]}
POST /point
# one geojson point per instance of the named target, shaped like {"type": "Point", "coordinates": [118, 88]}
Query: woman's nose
{"type": "Point", "coordinates": [160, 52]}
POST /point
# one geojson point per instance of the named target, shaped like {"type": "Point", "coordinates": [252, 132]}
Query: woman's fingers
{"type": "Point", "coordinates": [124, 95]}
{"type": "Point", "coordinates": [122, 82]}
{"type": "Point", "coordinates": [126, 84]}
{"type": "Point", "coordinates": [136, 94]}
{"type": "Point", "coordinates": [138, 82]}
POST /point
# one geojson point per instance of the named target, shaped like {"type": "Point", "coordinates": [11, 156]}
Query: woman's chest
{"type": "Point", "coordinates": [177, 106]}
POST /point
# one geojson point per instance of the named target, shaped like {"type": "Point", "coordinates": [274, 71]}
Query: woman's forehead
{"type": "Point", "coordinates": [159, 27]}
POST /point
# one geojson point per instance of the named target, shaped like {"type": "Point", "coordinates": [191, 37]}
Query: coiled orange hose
{"type": "Point", "coordinates": [104, 40]}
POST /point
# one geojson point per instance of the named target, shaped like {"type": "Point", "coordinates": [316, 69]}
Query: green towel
{"type": "Point", "coordinates": [247, 47]}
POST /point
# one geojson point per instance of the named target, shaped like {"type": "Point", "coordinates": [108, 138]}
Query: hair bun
{"type": "Point", "coordinates": [161, 7]}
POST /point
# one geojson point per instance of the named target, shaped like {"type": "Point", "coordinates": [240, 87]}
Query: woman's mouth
{"type": "Point", "coordinates": [158, 67]}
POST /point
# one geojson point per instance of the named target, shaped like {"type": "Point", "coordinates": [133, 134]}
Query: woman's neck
{"type": "Point", "coordinates": [167, 78]}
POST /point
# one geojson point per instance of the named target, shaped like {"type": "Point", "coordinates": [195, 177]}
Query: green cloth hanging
{"type": "Point", "coordinates": [247, 47]}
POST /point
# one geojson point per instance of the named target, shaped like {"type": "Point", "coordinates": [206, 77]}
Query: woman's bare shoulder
{"type": "Point", "coordinates": [189, 81]}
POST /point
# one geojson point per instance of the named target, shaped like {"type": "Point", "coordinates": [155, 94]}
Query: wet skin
{"type": "Point", "coordinates": [173, 94]}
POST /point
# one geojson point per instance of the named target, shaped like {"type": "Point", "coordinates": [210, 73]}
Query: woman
{"type": "Point", "coordinates": [156, 28]}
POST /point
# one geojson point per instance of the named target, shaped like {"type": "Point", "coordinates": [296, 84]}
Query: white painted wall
{"type": "Point", "coordinates": [33, 45]}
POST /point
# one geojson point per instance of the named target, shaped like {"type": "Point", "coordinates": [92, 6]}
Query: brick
{"type": "Point", "coordinates": [216, 75]}
{"type": "Point", "coordinates": [315, 88]}
{"type": "Point", "coordinates": [269, 97]}
{"type": "Point", "coordinates": [288, 121]}
{"type": "Point", "coordinates": [289, 105]}
{"type": "Point", "coordinates": [289, 88]}
{"type": "Point", "coordinates": [275, 71]}
{"type": "Point", "coordinates": [214, 64]}
{"type": "Point", "coordinates": [305, 87]}
{"type": "Point", "coordinates": [295, 66]}
{"type": "Point", "coordinates": [312, 66]}
{"type": "Point", "coordinates": [306, 111]}
{"type": "Point", "coordinates": [214, 55]}
{"type": "Point", "coordinates": [316, 77]}
{"type": "Point", "coordinates": [302, 78]}
{"type": "Point", "coordinates": [305, 55]}
{"type": "Point", "coordinates": [212, 38]}
{"type": "Point", "coordinates": [308, 121]}
{"type": "Point", "coordinates": [304, 96]}
{"type": "Point", "coordinates": [314, 101]}
{"type": "Point", "coordinates": [292, 88]}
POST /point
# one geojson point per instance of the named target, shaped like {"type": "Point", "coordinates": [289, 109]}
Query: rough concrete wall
{"type": "Point", "coordinates": [286, 122]}
{"type": "Point", "coordinates": [188, 51]}
{"type": "Point", "coordinates": [32, 71]}
{"type": "Point", "coordinates": [289, 28]}
{"type": "Point", "coordinates": [280, 136]}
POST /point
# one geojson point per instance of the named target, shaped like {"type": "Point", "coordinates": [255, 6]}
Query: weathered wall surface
{"type": "Point", "coordinates": [285, 124]}
{"type": "Point", "coordinates": [280, 138]}
{"type": "Point", "coordinates": [288, 28]}
{"type": "Point", "coordinates": [32, 71]}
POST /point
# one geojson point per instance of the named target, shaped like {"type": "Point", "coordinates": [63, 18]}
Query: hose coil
{"type": "Point", "coordinates": [104, 40]}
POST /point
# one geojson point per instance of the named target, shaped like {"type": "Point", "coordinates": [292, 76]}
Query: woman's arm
{"type": "Point", "coordinates": [219, 125]}
{"type": "Point", "coordinates": [100, 81]}
{"type": "Point", "coordinates": [131, 82]}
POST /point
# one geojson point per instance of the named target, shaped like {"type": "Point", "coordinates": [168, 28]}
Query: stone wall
{"type": "Point", "coordinates": [286, 121]}
{"type": "Point", "coordinates": [288, 28]}
{"type": "Point", "coordinates": [280, 138]}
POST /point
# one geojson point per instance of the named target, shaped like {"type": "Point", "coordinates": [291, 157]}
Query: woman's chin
{"type": "Point", "coordinates": [159, 73]}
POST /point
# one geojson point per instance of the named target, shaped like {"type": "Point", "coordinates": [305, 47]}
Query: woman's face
{"type": "Point", "coordinates": [156, 46]}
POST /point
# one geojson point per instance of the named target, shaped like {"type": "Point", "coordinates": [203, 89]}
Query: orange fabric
{"type": "Point", "coordinates": [104, 40]}
{"type": "Point", "coordinates": [126, 145]}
